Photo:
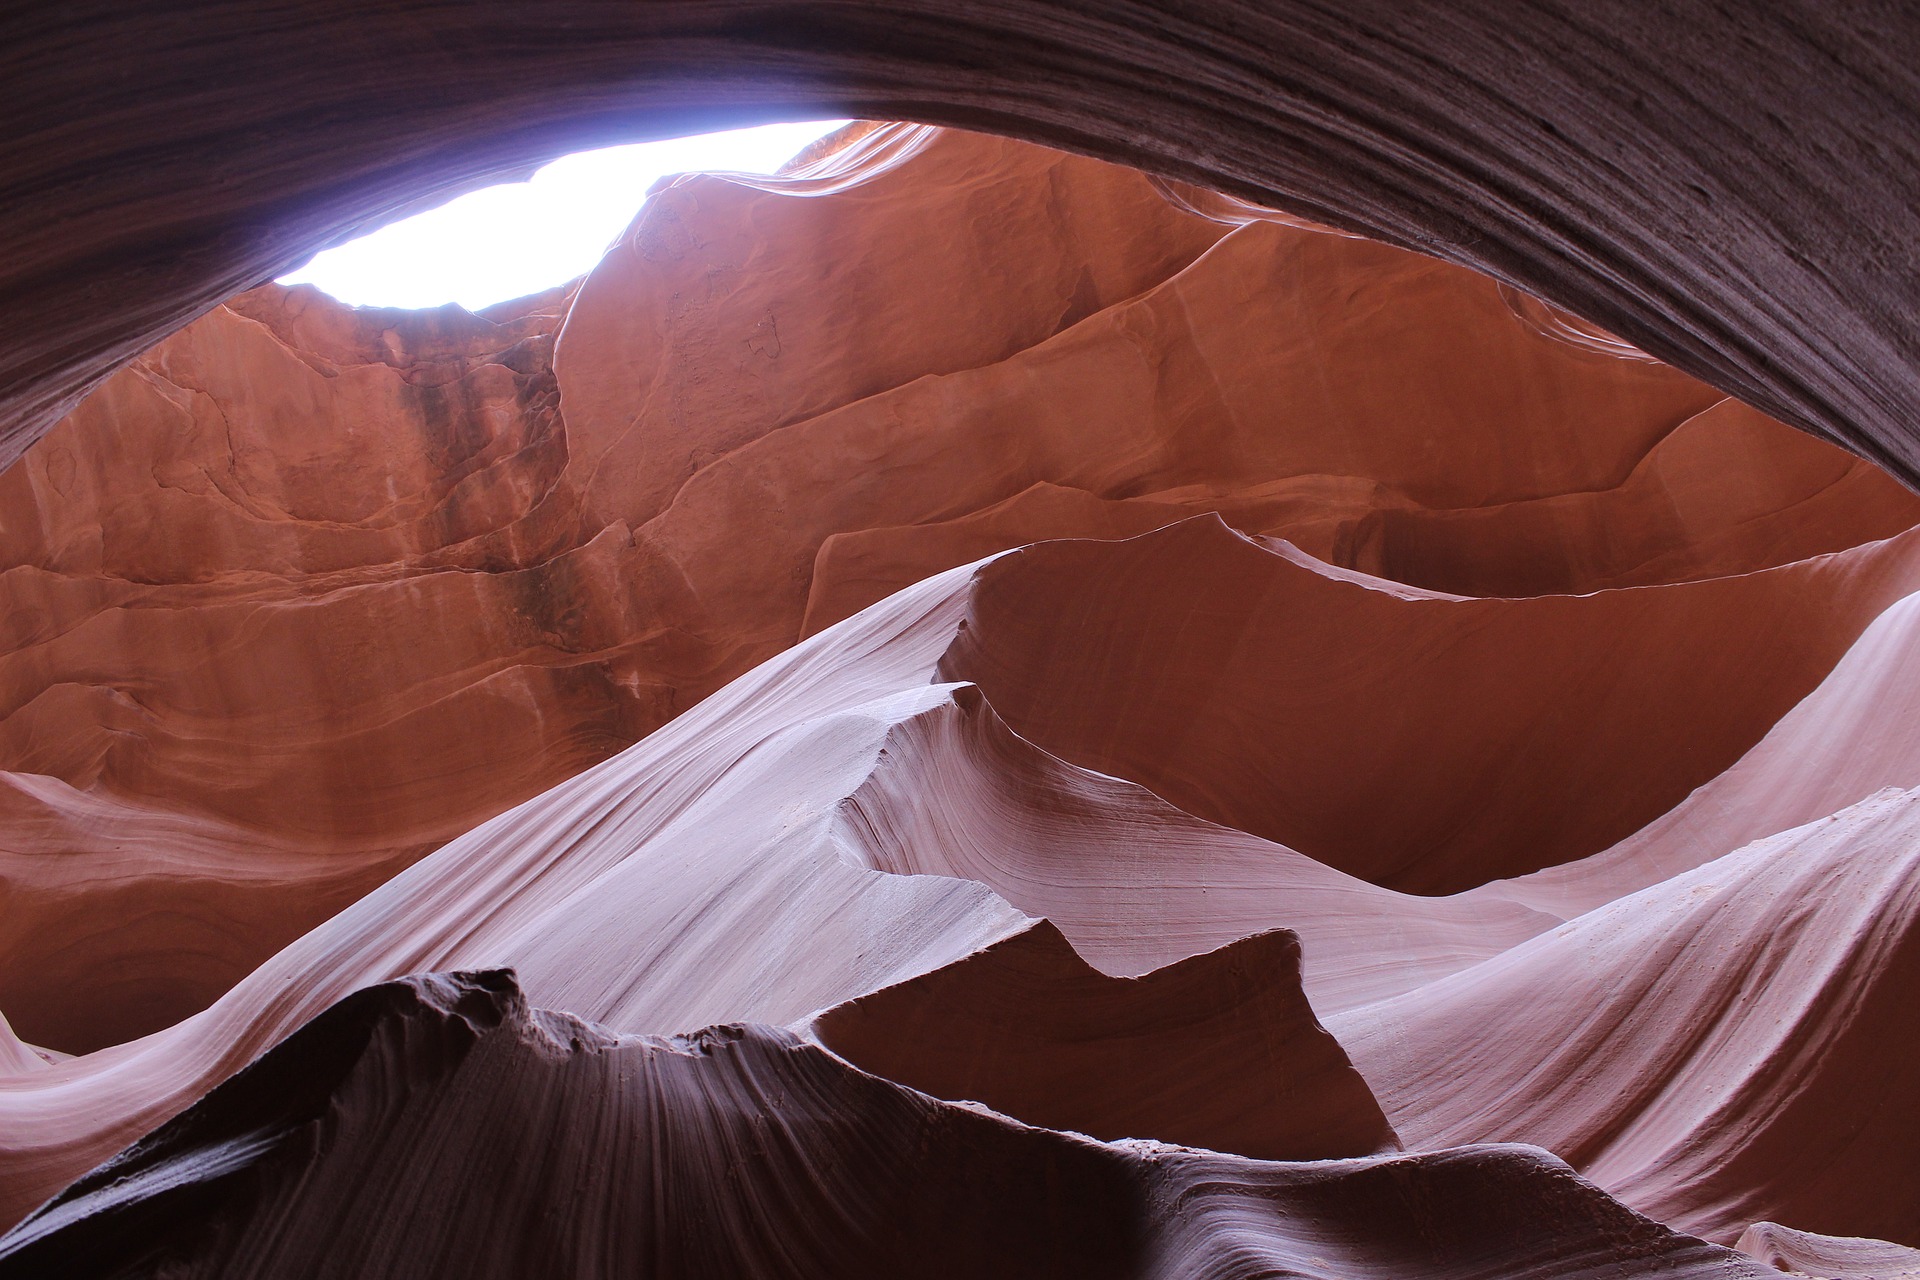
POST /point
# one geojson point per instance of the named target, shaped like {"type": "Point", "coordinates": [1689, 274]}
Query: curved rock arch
{"type": "Point", "coordinates": [1733, 188]}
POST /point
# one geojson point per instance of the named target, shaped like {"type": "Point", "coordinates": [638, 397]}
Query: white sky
{"type": "Point", "coordinates": [508, 241]}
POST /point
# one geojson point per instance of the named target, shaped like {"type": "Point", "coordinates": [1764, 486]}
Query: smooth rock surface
{"type": "Point", "coordinates": [1219, 1050]}
{"type": "Point", "coordinates": [352, 583]}
{"type": "Point", "coordinates": [1733, 191]}
{"type": "Point", "coordinates": [1074, 682]}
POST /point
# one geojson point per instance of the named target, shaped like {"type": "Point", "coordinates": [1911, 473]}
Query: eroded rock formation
{"type": "Point", "coordinates": [664, 1148]}
{"type": "Point", "coordinates": [1734, 192]}
{"type": "Point", "coordinates": [1045, 665]}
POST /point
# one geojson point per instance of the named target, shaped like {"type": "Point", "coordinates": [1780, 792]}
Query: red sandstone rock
{"type": "Point", "coordinates": [1369, 601]}
{"type": "Point", "coordinates": [1135, 883]}
{"type": "Point", "coordinates": [353, 582]}
{"type": "Point", "coordinates": [1726, 188]}
{"type": "Point", "coordinates": [1219, 1051]}
{"type": "Point", "coordinates": [1421, 741]}
{"type": "Point", "coordinates": [719, 870]}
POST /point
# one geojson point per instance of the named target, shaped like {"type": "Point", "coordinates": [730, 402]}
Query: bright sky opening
{"type": "Point", "coordinates": [509, 241]}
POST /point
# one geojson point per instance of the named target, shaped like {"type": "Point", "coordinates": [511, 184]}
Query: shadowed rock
{"type": "Point", "coordinates": [438, 1126]}
{"type": "Point", "coordinates": [1219, 1051]}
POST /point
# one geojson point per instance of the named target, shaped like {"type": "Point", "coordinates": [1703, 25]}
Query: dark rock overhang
{"type": "Point", "coordinates": [1733, 188]}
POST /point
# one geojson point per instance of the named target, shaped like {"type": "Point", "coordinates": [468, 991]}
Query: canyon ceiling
{"type": "Point", "coordinates": [1730, 186]}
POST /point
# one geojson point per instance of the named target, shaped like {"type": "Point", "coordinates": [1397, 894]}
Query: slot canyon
{"type": "Point", "coordinates": [1236, 640]}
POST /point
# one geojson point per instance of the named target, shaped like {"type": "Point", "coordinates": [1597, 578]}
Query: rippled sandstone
{"type": "Point", "coordinates": [864, 563]}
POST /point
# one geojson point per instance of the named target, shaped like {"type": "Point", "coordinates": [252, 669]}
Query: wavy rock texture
{"type": "Point", "coordinates": [657, 1156]}
{"type": "Point", "coordinates": [719, 870]}
{"type": "Point", "coordinates": [1268, 693]}
{"type": "Point", "coordinates": [1134, 882]}
{"type": "Point", "coordinates": [358, 581]}
{"type": "Point", "coordinates": [1841, 1257]}
{"type": "Point", "coordinates": [1687, 1044]}
{"type": "Point", "coordinates": [1732, 191]}
{"type": "Point", "coordinates": [1854, 735]}
{"type": "Point", "coordinates": [1104, 667]}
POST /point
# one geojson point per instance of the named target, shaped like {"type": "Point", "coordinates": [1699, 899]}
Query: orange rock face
{"type": "Point", "coordinates": [1418, 717]}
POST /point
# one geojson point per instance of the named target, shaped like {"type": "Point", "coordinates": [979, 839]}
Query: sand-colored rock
{"type": "Point", "coordinates": [1726, 189]}
{"type": "Point", "coordinates": [695, 878]}
{"type": "Point", "coordinates": [1134, 883]}
{"type": "Point", "coordinates": [721, 315]}
{"type": "Point", "coordinates": [1852, 736]}
{"type": "Point", "coordinates": [1835, 1257]}
{"type": "Point", "coordinates": [1421, 741]}
{"type": "Point", "coordinates": [351, 583]}
{"type": "Point", "coordinates": [746, 863]}
{"type": "Point", "coordinates": [1731, 1044]}
{"type": "Point", "coordinates": [1417, 715]}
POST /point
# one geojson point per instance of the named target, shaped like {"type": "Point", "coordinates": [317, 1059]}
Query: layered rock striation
{"type": "Point", "coordinates": [1731, 191]}
{"type": "Point", "coordinates": [1208, 743]}
{"type": "Point", "coordinates": [662, 1150]}
{"type": "Point", "coordinates": [354, 582]}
